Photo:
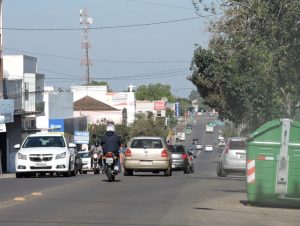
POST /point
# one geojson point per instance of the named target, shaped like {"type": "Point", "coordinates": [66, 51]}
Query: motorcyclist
{"type": "Point", "coordinates": [111, 142]}
{"type": "Point", "coordinates": [94, 146]}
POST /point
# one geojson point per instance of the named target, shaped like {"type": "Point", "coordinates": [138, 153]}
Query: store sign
{"type": "Point", "coordinates": [159, 105]}
{"type": "Point", "coordinates": [2, 128]}
{"type": "Point", "coordinates": [6, 110]}
{"type": "Point", "coordinates": [81, 137]}
{"type": "Point", "coordinates": [56, 125]}
{"type": "Point", "coordinates": [177, 113]}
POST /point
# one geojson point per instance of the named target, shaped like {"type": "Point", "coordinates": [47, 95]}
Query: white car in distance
{"type": "Point", "coordinates": [208, 148]}
{"type": "Point", "coordinates": [45, 153]}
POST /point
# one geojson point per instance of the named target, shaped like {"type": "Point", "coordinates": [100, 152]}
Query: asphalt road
{"type": "Point", "coordinates": [143, 199]}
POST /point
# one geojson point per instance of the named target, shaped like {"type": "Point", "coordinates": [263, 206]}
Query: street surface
{"type": "Point", "coordinates": [147, 199]}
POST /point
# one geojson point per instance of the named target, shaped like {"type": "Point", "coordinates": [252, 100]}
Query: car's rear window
{"type": "Point", "coordinates": [146, 143]}
{"type": "Point", "coordinates": [237, 145]}
{"type": "Point", "coordinates": [44, 141]}
{"type": "Point", "coordinates": [177, 149]}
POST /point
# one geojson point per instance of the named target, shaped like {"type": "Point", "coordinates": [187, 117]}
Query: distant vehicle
{"type": "Point", "coordinates": [181, 158]}
{"type": "Point", "coordinates": [198, 146]}
{"type": "Point", "coordinates": [147, 154]}
{"type": "Point", "coordinates": [180, 136]}
{"type": "Point", "coordinates": [86, 161]}
{"type": "Point", "coordinates": [209, 128]}
{"type": "Point", "coordinates": [46, 153]}
{"type": "Point", "coordinates": [233, 157]}
{"type": "Point", "coordinates": [222, 143]}
{"type": "Point", "coordinates": [208, 148]}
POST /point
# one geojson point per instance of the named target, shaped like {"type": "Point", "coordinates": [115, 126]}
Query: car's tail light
{"type": "Point", "coordinates": [164, 153]}
{"type": "Point", "coordinates": [184, 156]}
{"type": "Point", "coordinates": [128, 153]}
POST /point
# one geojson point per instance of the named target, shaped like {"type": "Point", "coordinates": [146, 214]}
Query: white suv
{"type": "Point", "coordinates": [45, 153]}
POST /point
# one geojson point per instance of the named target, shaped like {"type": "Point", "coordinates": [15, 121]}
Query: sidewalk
{"type": "Point", "coordinates": [7, 175]}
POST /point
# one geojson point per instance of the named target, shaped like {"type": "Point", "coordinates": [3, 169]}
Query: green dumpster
{"type": "Point", "coordinates": [273, 164]}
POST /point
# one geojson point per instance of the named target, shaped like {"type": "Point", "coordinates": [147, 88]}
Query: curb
{"type": "Point", "coordinates": [7, 175]}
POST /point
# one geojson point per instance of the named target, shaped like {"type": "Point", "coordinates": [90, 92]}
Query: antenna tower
{"type": "Point", "coordinates": [85, 21]}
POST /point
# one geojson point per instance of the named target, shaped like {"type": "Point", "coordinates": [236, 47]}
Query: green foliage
{"type": "Point", "coordinates": [251, 73]}
{"type": "Point", "coordinates": [95, 83]}
{"type": "Point", "coordinates": [154, 92]}
{"type": "Point", "coordinates": [147, 125]}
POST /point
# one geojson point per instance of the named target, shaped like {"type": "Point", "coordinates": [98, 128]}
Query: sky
{"type": "Point", "coordinates": [132, 41]}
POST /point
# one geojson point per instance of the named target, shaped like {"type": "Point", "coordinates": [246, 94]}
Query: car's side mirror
{"type": "Point", "coordinates": [17, 146]}
{"type": "Point", "coordinates": [72, 145]}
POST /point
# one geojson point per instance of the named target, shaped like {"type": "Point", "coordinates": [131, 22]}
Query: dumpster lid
{"type": "Point", "coordinates": [269, 125]}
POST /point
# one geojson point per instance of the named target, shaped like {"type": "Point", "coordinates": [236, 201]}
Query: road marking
{"type": "Point", "coordinates": [36, 193]}
{"type": "Point", "coordinates": [19, 199]}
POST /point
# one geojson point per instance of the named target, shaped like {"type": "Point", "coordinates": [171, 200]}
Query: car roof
{"type": "Point", "coordinates": [147, 137]}
{"type": "Point", "coordinates": [45, 134]}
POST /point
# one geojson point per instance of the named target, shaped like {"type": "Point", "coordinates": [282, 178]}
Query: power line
{"type": "Point", "coordinates": [109, 27]}
{"type": "Point", "coordinates": [101, 60]}
{"type": "Point", "coordinates": [167, 73]}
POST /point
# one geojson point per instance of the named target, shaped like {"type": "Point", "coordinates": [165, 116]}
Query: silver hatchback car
{"type": "Point", "coordinates": [147, 154]}
{"type": "Point", "coordinates": [233, 157]}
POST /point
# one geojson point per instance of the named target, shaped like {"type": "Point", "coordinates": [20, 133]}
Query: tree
{"type": "Point", "coordinates": [147, 125]}
{"type": "Point", "coordinates": [250, 70]}
{"type": "Point", "coordinates": [154, 92]}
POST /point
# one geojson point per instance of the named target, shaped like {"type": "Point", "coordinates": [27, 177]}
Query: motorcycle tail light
{"type": "Point", "coordinates": [128, 153]}
{"type": "Point", "coordinates": [184, 156]}
{"type": "Point", "coordinates": [109, 154]}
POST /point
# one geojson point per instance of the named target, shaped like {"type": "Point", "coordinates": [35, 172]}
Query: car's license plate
{"type": "Point", "coordinates": [40, 164]}
{"type": "Point", "coordinates": [146, 163]}
{"type": "Point", "coordinates": [109, 160]}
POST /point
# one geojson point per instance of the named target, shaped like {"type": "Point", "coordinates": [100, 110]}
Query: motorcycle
{"type": "Point", "coordinates": [96, 160]}
{"type": "Point", "coordinates": [111, 167]}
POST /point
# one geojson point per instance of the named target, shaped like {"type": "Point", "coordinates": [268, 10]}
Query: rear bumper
{"type": "Point", "coordinates": [146, 166]}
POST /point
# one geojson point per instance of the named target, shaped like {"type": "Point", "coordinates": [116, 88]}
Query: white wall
{"type": "Point", "coordinates": [14, 66]}
{"type": "Point", "coordinates": [58, 105]}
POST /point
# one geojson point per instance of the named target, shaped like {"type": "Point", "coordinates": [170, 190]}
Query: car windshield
{"type": "Point", "coordinates": [177, 149]}
{"type": "Point", "coordinates": [237, 145]}
{"type": "Point", "coordinates": [44, 141]}
{"type": "Point", "coordinates": [146, 143]}
{"type": "Point", "coordinates": [85, 155]}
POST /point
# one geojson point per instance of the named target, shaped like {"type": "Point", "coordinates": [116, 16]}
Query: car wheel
{"type": "Point", "coordinates": [69, 172]}
{"type": "Point", "coordinates": [19, 175]}
{"type": "Point", "coordinates": [84, 172]}
{"type": "Point", "coordinates": [128, 172]}
{"type": "Point", "coordinates": [168, 172]}
{"type": "Point", "coordinates": [220, 171]}
{"type": "Point", "coordinates": [186, 170]}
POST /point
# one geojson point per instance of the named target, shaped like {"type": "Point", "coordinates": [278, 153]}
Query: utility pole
{"type": "Point", "coordinates": [85, 21]}
{"type": "Point", "coordinates": [1, 56]}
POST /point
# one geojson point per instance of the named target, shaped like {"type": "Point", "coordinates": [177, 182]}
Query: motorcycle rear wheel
{"type": "Point", "coordinates": [109, 174]}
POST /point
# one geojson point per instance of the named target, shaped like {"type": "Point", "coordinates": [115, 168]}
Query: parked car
{"type": "Point", "coordinates": [181, 158]}
{"type": "Point", "coordinates": [46, 153]}
{"type": "Point", "coordinates": [208, 148]}
{"type": "Point", "coordinates": [86, 161]}
{"type": "Point", "coordinates": [147, 154]}
{"type": "Point", "coordinates": [233, 157]}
